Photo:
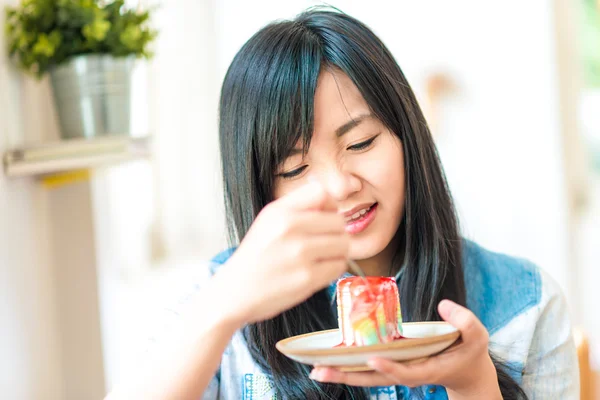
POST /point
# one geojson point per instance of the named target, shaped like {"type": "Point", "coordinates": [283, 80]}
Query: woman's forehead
{"type": "Point", "coordinates": [338, 108]}
{"type": "Point", "coordinates": [337, 102]}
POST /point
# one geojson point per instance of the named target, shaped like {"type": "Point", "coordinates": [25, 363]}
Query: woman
{"type": "Point", "coordinates": [327, 157]}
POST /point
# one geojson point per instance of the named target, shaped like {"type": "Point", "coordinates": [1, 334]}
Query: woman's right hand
{"type": "Point", "coordinates": [296, 246]}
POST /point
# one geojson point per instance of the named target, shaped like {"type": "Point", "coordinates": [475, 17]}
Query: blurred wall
{"type": "Point", "coordinates": [50, 342]}
{"type": "Point", "coordinates": [30, 362]}
{"type": "Point", "coordinates": [156, 222]}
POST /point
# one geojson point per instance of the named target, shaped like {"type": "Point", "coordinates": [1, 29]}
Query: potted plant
{"type": "Point", "coordinates": [88, 47]}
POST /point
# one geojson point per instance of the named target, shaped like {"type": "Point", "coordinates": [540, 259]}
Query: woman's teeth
{"type": "Point", "coordinates": [358, 214]}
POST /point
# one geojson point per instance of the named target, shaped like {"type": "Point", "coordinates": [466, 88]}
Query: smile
{"type": "Point", "coordinates": [358, 214]}
{"type": "Point", "coordinates": [361, 219]}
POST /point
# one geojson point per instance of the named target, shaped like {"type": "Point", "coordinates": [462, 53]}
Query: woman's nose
{"type": "Point", "coordinates": [341, 184]}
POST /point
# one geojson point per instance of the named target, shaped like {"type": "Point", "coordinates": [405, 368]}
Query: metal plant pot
{"type": "Point", "coordinates": [92, 94]}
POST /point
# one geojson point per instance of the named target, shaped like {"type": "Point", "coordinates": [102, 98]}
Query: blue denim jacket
{"type": "Point", "coordinates": [522, 308]}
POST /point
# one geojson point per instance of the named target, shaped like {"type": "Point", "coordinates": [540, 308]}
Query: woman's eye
{"type": "Point", "coordinates": [362, 145]}
{"type": "Point", "coordinates": [294, 173]}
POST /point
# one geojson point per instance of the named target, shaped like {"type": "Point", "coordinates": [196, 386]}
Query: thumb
{"type": "Point", "coordinates": [329, 203]}
{"type": "Point", "coordinates": [311, 196]}
{"type": "Point", "coordinates": [461, 318]}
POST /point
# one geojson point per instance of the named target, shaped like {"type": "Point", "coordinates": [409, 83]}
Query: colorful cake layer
{"type": "Point", "coordinates": [368, 310]}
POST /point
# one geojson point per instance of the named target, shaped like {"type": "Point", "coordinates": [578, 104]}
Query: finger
{"type": "Point", "coordinates": [319, 222]}
{"type": "Point", "coordinates": [329, 270]}
{"type": "Point", "coordinates": [315, 248]}
{"type": "Point", "coordinates": [311, 196]}
{"type": "Point", "coordinates": [330, 205]}
{"type": "Point", "coordinates": [408, 374]}
{"type": "Point", "coordinates": [366, 379]}
{"type": "Point", "coordinates": [471, 329]}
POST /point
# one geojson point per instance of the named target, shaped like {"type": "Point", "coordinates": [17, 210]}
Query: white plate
{"type": "Point", "coordinates": [423, 339]}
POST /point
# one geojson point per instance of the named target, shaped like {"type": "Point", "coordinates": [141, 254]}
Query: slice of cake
{"type": "Point", "coordinates": [368, 310]}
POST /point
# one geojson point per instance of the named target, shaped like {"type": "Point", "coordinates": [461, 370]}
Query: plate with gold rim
{"type": "Point", "coordinates": [421, 340]}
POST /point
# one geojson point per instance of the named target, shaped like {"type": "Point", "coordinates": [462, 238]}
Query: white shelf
{"type": "Point", "coordinates": [74, 154]}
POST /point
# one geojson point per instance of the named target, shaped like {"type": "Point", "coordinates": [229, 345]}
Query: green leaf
{"type": "Point", "coordinates": [97, 30]}
{"type": "Point", "coordinates": [44, 46]}
{"type": "Point", "coordinates": [130, 36]}
{"type": "Point", "coordinates": [55, 38]}
{"type": "Point", "coordinates": [44, 33]}
{"type": "Point", "coordinates": [24, 41]}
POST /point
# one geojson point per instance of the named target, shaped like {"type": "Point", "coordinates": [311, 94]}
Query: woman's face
{"type": "Point", "coordinates": [358, 161]}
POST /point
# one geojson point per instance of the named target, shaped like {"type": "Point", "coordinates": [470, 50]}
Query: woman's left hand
{"type": "Point", "coordinates": [465, 370]}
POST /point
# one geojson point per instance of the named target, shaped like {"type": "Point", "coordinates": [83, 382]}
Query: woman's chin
{"type": "Point", "coordinates": [364, 250]}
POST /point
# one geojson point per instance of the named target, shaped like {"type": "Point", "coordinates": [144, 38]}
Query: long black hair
{"type": "Point", "coordinates": [267, 106]}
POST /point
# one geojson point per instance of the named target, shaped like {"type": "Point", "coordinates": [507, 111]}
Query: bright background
{"type": "Point", "coordinates": [517, 126]}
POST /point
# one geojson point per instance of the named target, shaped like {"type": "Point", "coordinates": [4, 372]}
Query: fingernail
{"type": "Point", "coordinates": [447, 307]}
{"type": "Point", "coordinates": [315, 375]}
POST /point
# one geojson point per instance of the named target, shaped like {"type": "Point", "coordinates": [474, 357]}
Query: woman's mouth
{"type": "Point", "coordinates": [360, 220]}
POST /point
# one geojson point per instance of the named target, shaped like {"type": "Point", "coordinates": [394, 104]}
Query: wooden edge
{"type": "Point", "coordinates": [398, 344]}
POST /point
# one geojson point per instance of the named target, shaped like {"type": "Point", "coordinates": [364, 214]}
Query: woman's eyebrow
{"type": "Point", "coordinates": [341, 131]}
{"type": "Point", "coordinates": [296, 151]}
{"type": "Point", "coordinates": [353, 123]}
